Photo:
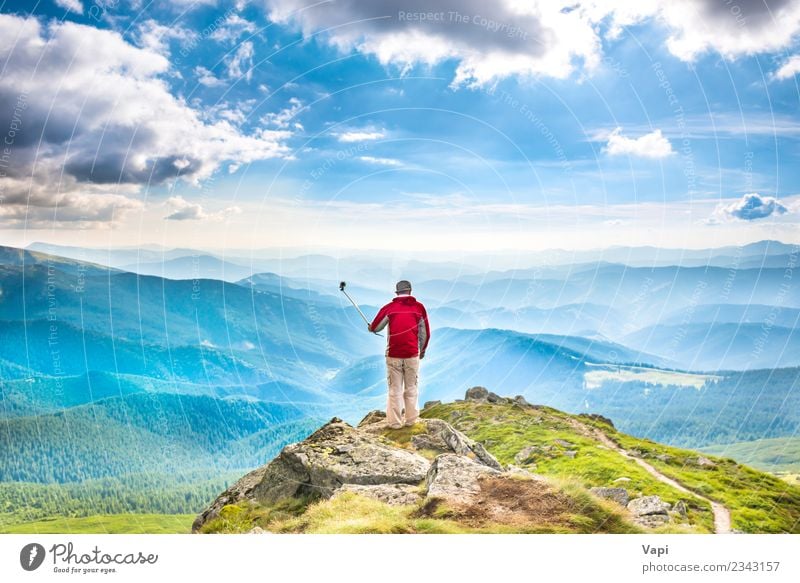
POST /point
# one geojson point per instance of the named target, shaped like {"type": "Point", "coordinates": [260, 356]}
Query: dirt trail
{"type": "Point", "coordinates": [722, 516]}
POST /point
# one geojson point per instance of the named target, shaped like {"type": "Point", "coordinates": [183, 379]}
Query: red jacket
{"type": "Point", "coordinates": [409, 331]}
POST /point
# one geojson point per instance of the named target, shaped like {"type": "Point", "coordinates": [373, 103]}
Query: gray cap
{"type": "Point", "coordinates": [402, 286]}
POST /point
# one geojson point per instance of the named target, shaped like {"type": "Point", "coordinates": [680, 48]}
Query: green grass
{"type": "Point", "coordinates": [109, 524]}
{"type": "Point", "coordinates": [351, 513]}
{"type": "Point", "coordinates": [505, 430]}
{"type": "Point", "coordinates": [759, 502]}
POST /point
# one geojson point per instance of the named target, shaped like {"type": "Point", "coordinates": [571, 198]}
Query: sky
{"type": "Point", "coordinates": [403, 125]}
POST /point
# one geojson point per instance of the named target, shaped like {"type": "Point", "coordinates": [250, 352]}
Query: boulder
{"type": "Point", "coordinates": [440, 436]}
{"type": "Point", "coordinates": [704, 462]}
{"type": "Point", "coordinates": [477, 394]}
{"type": "Point", "coordinates": [241, 490]}
{"type": "Point", "coordinates": [680, 509]}
{"type": "Point", "coordinates": [333, 455]}
{"type": "Point", "coordinates": [392, 494]}
{"type": "Point", "coordinates": [455, 477]}
{"type": "Point", "coordinates": [647, 505]}
{"type": "Point", "coordinates": [372, 417]}
{"type": "Point", "coordinates": [649, 511]}
{"type": "Point", "coordinates": [431, 404]}
{"type": "Point", "coordinates": [459, 443]}
{"type": "Point", "coordinates": [562, 442]}
{"type": "Point", "coordinates": [495, 398]}
{"type": "Point", "coordinates": [651, 520]}
{"type": "Point", "coordinates": [256, 530]}
{"type": "Point", "coordinates": [520, 400]}
{"type": "Point", "coordinates": [618, 495]}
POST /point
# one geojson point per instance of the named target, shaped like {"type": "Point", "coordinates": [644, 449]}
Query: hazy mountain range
{"type": "Point", "coordinates": [106, 373]}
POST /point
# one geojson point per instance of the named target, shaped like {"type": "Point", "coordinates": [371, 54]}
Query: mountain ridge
{"type": "Point", "coordinates": [461, 468]}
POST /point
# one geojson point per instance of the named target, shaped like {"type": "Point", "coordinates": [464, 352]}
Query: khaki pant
{"type": "Point", "coordinates": [403, 377]}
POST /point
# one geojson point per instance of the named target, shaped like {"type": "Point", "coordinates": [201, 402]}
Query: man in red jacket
{"type": "Point", "coordinates": [409, 333]}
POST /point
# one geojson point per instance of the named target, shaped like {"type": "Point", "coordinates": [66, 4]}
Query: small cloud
{"type": "Point", "coordinates": [234, 27]}
{"type": "Point", "coordinates": [653, 145]}
{"type": "Point", "coordinates": [751, 207]}
{"type": "Point", "coordinates": [71, 5]}
{"type": "Point", "coordinates": [154, 36]}
{"type": "Point", "coordinates": [241, 64]}
{"type": "Point", "coordinates": [183, 210]}
{"type": "Point", "coordinates": [206, 77]}
{"type": "Point", "coordinates": [285, 118]}
{"type": "Point", "coordinates": [789, 69]}
{"type": "Point", "coordinates": [381, 161]}
{"type": "Point", "coordinates": [359, 136]}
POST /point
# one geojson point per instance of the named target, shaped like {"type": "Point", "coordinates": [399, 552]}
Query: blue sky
{"type": "Point", "coordinates": [372, 125]}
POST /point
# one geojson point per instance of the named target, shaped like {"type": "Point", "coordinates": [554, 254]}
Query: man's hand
{"type": "Point", "coordinates": [421, 355]}
{"type": "Point", "coordinates": [369, 327]}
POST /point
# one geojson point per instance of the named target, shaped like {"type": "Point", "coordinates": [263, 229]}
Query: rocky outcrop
{"type": "Point", "coordinates": [241, 490]}
{"type": "Point", "coordinates": [618, 495]}
{"type": "Point", "coordinates": [454, 476]}
{"type": "Point", "coordinates": [339, 458]}
{"type": "Point", "coordinates": [649, 511]}
{"type": "Point", "coordinates": [392, 494]}
{"type": "Point", "coordinates": [477, 394]}
{"type": "Point", "coordinates": [438, 436]}
{"type": "Point", "coordinates": [334, 455]}
{"type": "Point", "coordinates": [426, 465]}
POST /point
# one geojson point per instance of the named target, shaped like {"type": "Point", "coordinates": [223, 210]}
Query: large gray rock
{"type": "Point", "coordinates": [392, 494]}
{"type": "Point", "coordinates": [704, 462]}
{"type": "Point", "coordinates": [648, 505]}
{"type": "Point", "coordinates": [455, 477]}
{"type": "Point", "coordinates": [477, 394]}
{"type": "Point", "coordinates": [372, 417]}
{"type": "Point", "coordinates": [241, 490]}
{"type": "Point", "coordinates": [651, 520]}
{"type": "Point", "coordinates": [440, 436]}
{"type": "Point", "coordinates": [459, 443]}
{"type": "Point", "coordinates": [618, 495]}
{"type": "Point", "coordinates": [520, 400]}
{"type": "Point", "coordinates": [333, 455]}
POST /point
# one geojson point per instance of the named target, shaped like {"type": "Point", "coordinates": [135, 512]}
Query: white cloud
{"type": "Point", "coordinates": [551, 38]}
{"type": "Point", "coordinates": [286, 117]}
{"type": "Point", "coordinates": [789, 69]}
{"type": "Point", "coordinates": [154, 36]}
{"type": "Point", "coordinates": [207, 78]}
{"type": "Point", "coordinates": [359, 136]}
{"type": "Point", "coordinates": [71, 5]}
{"type": "Point", "coordinates": [240, 65]}
{"type": "Point", "coordinates": [732, 28]}
{"type": "Point", "coordinates": [508, 37]}
{"type": "Point", "coordinates": [233, 27]}
{"type": "Point", "coordinates": [381, 161]}
{"type": "Point", "coordinates": [183, 210]}
{"type": "Point", "coordinates": [652, 145]}
{"type": "Point", "coordinates": [96, 119]}
{"type": "Point", "coordinates": [751, 207]}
